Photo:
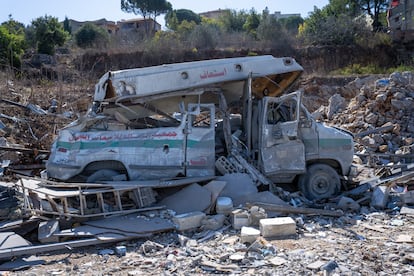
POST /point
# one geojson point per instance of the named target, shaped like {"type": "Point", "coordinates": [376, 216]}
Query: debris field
{"type": "Point", "coordinates": [211, 225]}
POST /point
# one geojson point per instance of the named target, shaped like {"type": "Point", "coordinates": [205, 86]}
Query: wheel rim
{"type": "Point", "coordinates": [320, 184]}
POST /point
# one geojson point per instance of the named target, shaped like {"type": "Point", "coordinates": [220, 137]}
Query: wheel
{"type": "Point", "coordinates": [102, 175]}
{"type": "Point", "coordinates": [320, 181]}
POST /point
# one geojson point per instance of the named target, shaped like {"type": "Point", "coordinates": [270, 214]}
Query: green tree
{"type": "Point", "coordinates": [90, 35]}
{"type": "Point", "coordinates": [66, 25]}
{"type": "Point", "coordinates": [49, 33]}
{"type": "Point", "coordinates": [175, 17]}
{"type": "Point", "coordinates": [322, 28]}
{"type": "Point", "coordinates": [12, 43]}
{"type": "Point", "coordinates": [149, 9]}
{"type": "Point", "coordinates": [291, 24]}
{"type": "Point", "coordinates": [204, 37]}
{"type": "Point", "coordinates": [252, 22]}
{"type": "Point", "coordinates": [374, 8]}
{"type": "Point", "coordinates": [185, 28]}
{"type": "Point", "coordinates": [269, 28]}
{"type": "Point", "coordinates": [233, 20]}
{"type": "Point", "coordinates": [339, 22]}
{"type": "Point", "coordinates": [159, 7]}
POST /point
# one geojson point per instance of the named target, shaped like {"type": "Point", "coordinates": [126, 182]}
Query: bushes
{"type": "Point", "coordinates": [90, 36]}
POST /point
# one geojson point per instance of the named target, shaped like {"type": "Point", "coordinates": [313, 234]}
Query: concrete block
{"type": "Point", "coordinates": [46, 230]}
{"type": "Point", "coordinates": [239, 218]}
{"type": "Point", "coordinates": [249, 234]}
{"type": "Point", "coordinates": [188, 221]}
{"type": "Point", "coordinates": [277, 227]}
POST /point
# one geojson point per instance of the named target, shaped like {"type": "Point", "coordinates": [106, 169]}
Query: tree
{"type": "Point", "coordinates": [66, 25]}
{"type": "Point", "coordinates": [373, 8]}
{"type": "Point", "coordinates": [12, 43]}
{"type": "Point", "coordinates": [204, 37]}
{"type": "Point", "coordinates": [252, 22]}
{"type": "Point", "coordinates": [90, 35]}
{"type": "Point", "coordinates": [269, 28]}
{"type": "Point", "coordinates": [324, 28]}
{"type": "Point", "coordinates": [49, 33]}
{"type": "Point", "coordinates": [160, 7]}
{"type": "Point", "coordinates": [149, 9]}
{"type": "Point", "coordinates": [233, 21]}
{"type": "Point", "coordinates": [175, 17]}
{"type": "Point", "coordinates": [291, 24]}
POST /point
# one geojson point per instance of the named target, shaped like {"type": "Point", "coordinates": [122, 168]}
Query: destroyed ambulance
{"type": "Point", "coordinates": [201, 119]}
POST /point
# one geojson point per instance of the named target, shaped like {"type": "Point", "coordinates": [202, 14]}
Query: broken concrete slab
{"type": "Point", "coordinates": [264, 197]}
{"type": "Point", "coordinates": [12, 240]}
{"type": "Point", "coordinates": [133, 223]}
{"type": "Point", "coordinates": [189, 199]}
{"type": "Point", "coordinates": [238, 185]}
{"type": "Point", "coordinates": [84, 231]}
{"type": "Point", "coordinates": [277, 227]}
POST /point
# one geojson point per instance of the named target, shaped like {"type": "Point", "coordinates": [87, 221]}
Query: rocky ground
{"type": "Point", "coordinates": [369, 242]}
{"type": "Point", "coordinates": [363, 241]}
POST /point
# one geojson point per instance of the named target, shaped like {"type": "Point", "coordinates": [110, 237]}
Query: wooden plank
{"type": "Point", "coordinates": [118, 200]}
{"type": "Point", "coordinates": [29, 250]}
{"type": "Point", "coordinates": [297, 210]}
{"type": "Point", "coordinates": [160, 183]}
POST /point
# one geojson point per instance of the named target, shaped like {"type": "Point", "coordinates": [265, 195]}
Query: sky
{"type": "Point", "coordinates": [25, 11]}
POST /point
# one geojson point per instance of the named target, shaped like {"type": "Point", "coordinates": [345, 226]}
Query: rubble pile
{"type": "Point", "coordinates": [30, 116]}
{"type": "Point", "coordinates": [379, 113]}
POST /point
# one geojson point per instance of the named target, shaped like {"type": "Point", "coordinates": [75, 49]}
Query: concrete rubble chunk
{"type": "Point", "coordinates": [188, 221]}
{"type": "Point", "coordinates": [380, 197]}
{"type": "Point", "coordinates": [213, 222]}
{"type": "Point", "coordinates": [239, 218]}
{"type": "Point", "coordinates": [46, 231]}
{"type": "Point", "coordinates": [277, 227]}
{"type": "Point", "coordinates": [249, 234]}
{"type": "Point", "coordinates": [191, 198]}
{"type": "Point", "coordinates": [348, 204]}
{"type": "Point", "coordinates": [215, 187]}
{"type": "Point", "coordinates": [408, 198]}
{"type": "Point", "coordinates": [256, 214]}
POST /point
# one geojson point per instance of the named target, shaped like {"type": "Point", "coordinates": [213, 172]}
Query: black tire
{"type": "Point", "coordinates": [102, 175]}
{"type": "Point", "coordinates": [319, 182]}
